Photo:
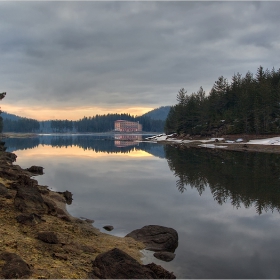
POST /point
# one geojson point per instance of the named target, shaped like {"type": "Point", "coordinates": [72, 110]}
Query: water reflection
{"type": "Point", "coordinates": [116, 188]}
{"type": "Point", "coordinates": [124, 140]}
{"type": "Point", "coordinates": [124, 144]}
{"type": "Point", "coordinates": [249, 179]}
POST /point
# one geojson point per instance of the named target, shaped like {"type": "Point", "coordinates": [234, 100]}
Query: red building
{"type": "Point", "coordinates": [126, 126]}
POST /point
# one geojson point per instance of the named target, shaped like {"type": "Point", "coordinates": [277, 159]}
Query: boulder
{"type": "Point", "coordinates": [29, 200]}
{"type": "Point", "coordinates": [52, 237]}
{"type": "Point", "coordinates": [108, 228]}
{"type": "Point", "coordinates": [30, 220]}
{"type": "Point", "coordinates": [116, 264]}
{"type": "Point", "coordinates": [15, 267]}
{"type": "Point", "coordinates": [164, 256]}
{"type": "Point", "coordinates": [160, 272]}
{"type": "Point", "coordinates": [156, 238]}
{"type": "Point", "coordinates": [4, 192]}
{"type": "Point", "coordinates": [48, 237]}
{"type": "Point", "coordinates": [68, 196]}
{"type": "Point", "coordinates": [37, 170]}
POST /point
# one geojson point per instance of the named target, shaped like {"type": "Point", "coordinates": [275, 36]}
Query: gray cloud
{"type": "Point", "coordinates": [130, 53]}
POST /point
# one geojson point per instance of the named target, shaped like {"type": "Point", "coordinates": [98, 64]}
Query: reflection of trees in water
{"type": "Point", "coordinates": [13, 144]}
{"type": "Point", "coordinates": [251, 179]}
{"type": "Point", "coordinates": [103, 144]}
{"type": "Point", "coordinates": [97, 144]}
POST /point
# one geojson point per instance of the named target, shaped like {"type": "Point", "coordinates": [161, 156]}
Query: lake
{"type": "Point", "coordinates": [223, 204]}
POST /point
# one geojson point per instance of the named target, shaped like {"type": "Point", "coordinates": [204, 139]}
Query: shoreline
{"type": "Point", "coordinates": [40, 234]}
{"type": "Point", "coordinates": [187, 141]}
{"type": "Point", "coordinates": [30, 135]}
{"type": "Point", "coordinates": [225, 142]}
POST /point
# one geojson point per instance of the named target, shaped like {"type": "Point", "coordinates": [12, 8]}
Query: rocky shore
{"type": "Point", "coordinates": [39, 239]}
{"type": "Point", "coordinates": [243, 143]}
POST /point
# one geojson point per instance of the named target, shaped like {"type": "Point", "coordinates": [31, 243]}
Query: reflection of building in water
{"type": "Point", "coordinates": [124, 140]}
{"type": "Point", "coordinates": [126, 126]}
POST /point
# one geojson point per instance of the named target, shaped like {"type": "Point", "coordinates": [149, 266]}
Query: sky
{"type": "Point", "coordinates": [73, 59]}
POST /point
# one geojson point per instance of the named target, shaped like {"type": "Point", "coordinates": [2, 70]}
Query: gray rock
{"type": "Point", "coordinates": [4, 192]}
{"type": "Point", "coordinates": [156, 238]}
{"type": "Point", "coordinates": [48, 237]}
{"type": "Point", "coordinates": [68, 196]}
{"type": "Point", "coordinates": [164, 256]}
{"type": "Point", "coordinates": [116, 264]}
{"type": "Point", "coordinates": [37, 170]}
{"type": "Point", "coordinates": [15, 267]}
{"type": "Point", "coordinates": [29, 200]}
{"type": "Point", "coordinates": [31, 219]}
{"type": "Point", "coordinates": [108, 228]}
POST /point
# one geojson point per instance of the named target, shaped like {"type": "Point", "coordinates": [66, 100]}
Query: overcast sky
{"type": "Point", "coordinates": [70, 59]}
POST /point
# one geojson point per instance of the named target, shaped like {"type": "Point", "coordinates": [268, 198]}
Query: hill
{"type": "Point", "coordinates": [98, 123]}
{"type": "Point", "coordinates": [12, 117]}
{"type": "Point", "coordinates": [158, 113]}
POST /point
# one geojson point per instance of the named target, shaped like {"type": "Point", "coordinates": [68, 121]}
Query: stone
{"type": "Point", "coordinates": [68, 196]}
{"type": "Point", "coordinates": [160, 272]}
{"type": "Point", "coordinates": [164, 256]}
{"type": "Point", "coordinates": [116, 264]}
{"type": "Point", "coordinates": [30, 220]}
{"type": "Point", "coordinates": [60, 256]}
{"type": "Point", "coordinates": [37, 170]}
{"type": "Point", "coordinates": [43, 189]}
{"type": "Point", "coordinates": [4, 192]}
{"type": "Point", "coordinates": [48, 237]}
{"type": "Point", "coordinates": [29, 200]}
{"type": "Point", "coordinates": [156, 238]}
{"type": "Point", "coordinates": [15, 267]}
{"type": "Point", "coordinates": [52, 208]}
{"type": "Point", "coordinates": [108, 228]}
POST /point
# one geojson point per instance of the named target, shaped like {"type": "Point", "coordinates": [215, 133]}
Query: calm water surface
{"type": "Point", "coordinates": [224, 205]}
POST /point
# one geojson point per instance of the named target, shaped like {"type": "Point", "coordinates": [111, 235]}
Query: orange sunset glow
{"type": "Point", "coordinates": [74, 151]}
{"type": "Point", "coordinates": [41, 113]}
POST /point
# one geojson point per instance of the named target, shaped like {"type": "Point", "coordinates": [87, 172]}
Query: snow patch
{"type": "Point", "coordinates": [268, 141]}
{"type": "Point", "coordinates": [212, 146]}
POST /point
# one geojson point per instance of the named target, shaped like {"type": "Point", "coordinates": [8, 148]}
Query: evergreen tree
{"type": "Point", "coordinates": [247, 105]}
{"type": "Point", "coordinates": [2, 95]}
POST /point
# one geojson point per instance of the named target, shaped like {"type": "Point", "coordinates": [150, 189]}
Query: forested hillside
{"type": "Point", "coordinates": [98, 123]}
{"type": "Point", "coordinates": [104, 123]}
{"type": "Point", "coordinates": [249, 104]}
{"type": "Point", "coordinates": [160, 113]}
{"type": "Point", "coordinates": [6, 115]}
{"type": "Point", "coordinates": [20, 125]}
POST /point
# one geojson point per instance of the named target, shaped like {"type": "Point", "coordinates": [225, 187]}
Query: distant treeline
{"type": "Point", "coordinates": [103, 123]}
{"type": "Point", "coordinates": [21, 125]}
{"type": "Point", "coordinates": [98, 123]}
{"type": "Point", "coordinates": [246, 105]}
